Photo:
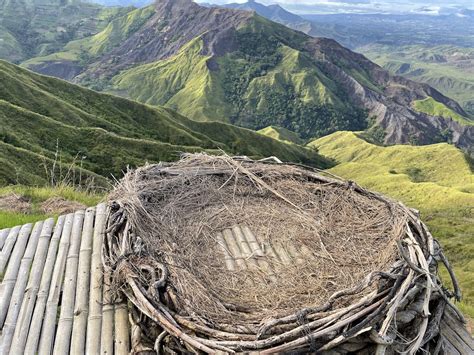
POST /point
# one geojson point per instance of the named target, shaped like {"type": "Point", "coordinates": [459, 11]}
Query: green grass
{"type": "Point", "coordinates": [119, 29]}
{"type": "Point", "coordinates": [40, 194]}
{"type": "Point", "coordinates": [72, 56]}
{"type": "Point", "coordinates": [9, 46]}
{"type": "Point", "coordinates": [12, 219]}
{"type": "Point", "coordinates": [281, 134]}
{"type": "Point", "coordinates": [37, 195]}
{"type": "Point", "coordinates": [43, 116]}
{"type": "Point", "coordinates": [432, 107]}
{"type": "Point", "coordinates": [182, 82]}
{"type": "Point", "coordinates": [120, 23]}
{"type": "Point", "coordinates": [435, 179]}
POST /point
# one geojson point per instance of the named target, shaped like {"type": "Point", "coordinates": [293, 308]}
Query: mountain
{"type": "Point", "coordinates": [217, 64]}
{"type": "Point", "coordinates": [410, 45]}
{"type": "Point", "coordinates": [274, 13]}
{"type": "Point", "coordinates": [41, 117]}
{"type": "Point", "coordinates": [436, 50]}
{"type": "Point", "coordinates": [357, 30]}
{"type": "Point", "coordinates": [30, 28]}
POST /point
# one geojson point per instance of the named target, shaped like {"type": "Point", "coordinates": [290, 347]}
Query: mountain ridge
{"type": "Point", "coordinates": [42, 117]}
{"type": "Point", "coordinates": [256, 73]}
{"type": "Point", "coordinates": [406, 45]}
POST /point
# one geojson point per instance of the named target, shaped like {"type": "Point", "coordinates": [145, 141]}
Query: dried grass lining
{"type": "Point", "coordinates": [235, 255]}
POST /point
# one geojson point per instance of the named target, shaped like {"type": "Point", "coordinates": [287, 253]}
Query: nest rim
{"type": "Point", "coordinates": [374, 312]}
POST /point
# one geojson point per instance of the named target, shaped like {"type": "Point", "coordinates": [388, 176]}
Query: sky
{"type": "Point", "coordinates": [433, 7]}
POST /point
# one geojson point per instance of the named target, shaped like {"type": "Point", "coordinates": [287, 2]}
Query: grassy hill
{"type": "Point", "coordinates": [282, 134]}
{"type": "Point", "coordinates": [112, 31]}
{"type": "Point", "coordinates": [436, 179]}
{"type": "Point", "coordinates": [432, 107]}
{"type": "Point", "coordinates": [44, 120]}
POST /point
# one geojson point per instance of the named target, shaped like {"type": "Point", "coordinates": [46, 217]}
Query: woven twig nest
{"type": "Point", "coordinates": [221, 254]}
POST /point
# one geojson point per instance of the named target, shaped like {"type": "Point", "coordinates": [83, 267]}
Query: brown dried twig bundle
{"type": "Point", "coordinates": [235, 255]}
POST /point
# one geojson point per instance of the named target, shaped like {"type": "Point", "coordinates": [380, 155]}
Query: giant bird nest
{"type": "Point", "coordinates": [225, 254]}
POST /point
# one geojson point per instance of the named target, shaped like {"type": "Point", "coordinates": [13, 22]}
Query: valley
{"type": "Point", "coordinates": [448, 68]}
{"type": "Point", "coordinates": [38, 28]}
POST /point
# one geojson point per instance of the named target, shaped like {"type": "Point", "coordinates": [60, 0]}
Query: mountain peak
{"type": "Point", "coordinates": [221, 64]}
{"type": "Point", "coordinates": [176, 3]}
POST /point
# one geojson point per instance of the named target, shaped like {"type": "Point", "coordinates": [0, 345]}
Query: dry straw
{"type": "Point", "coordinates": [223, 254]}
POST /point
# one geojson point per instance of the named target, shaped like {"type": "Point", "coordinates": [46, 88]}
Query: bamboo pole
{"type": "Point", "coordinates": [282, 254]}
{"type": "Point", "coordinates": [35, 300]}
{"type": "Point", "coordinates": [36, 250]}
{"type": "Point", "coordinates": [257, 251]}
{"type": "Point", "coordinates": [293, 252]}
{"type": "Point", "coordinates": [81, 308]}
{"type": "Point", "coordinates": [244, 247]}
{"type": "Point", "coordinates": [8, 247]}
{"type": "Point", "coordinates": [94, 321]}
{"type": "Point", "coordinates": [62, 343]}
{"type": "Point", "coordinates": [3, 236]}
{"type": "Point", "coordinates": [252, 241]}
{"type": "Point", "coordinates": [122, 330]}
{"type": "Point", "coordinates": [229, 260]}
{"type": "Point", "coordinates": [11, 273]}
{"type": "Point", "coordinates": [234, 249]}
{"type": "Point", "coordinates": [236, 252]}
{"type": "Point", "coordinates": [49, 322]}
{"type": "Point", "coordinates": [107, 328]}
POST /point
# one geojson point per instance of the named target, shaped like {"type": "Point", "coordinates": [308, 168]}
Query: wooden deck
{"type": "Point", "coordinates": [53, 298]}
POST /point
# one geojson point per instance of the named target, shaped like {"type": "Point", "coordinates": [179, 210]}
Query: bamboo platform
{"type": "Point", "coordinates": [52, 294]}
{"type": "Point", "coordinates": [53, 298]}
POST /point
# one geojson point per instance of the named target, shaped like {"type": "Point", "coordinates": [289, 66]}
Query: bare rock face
{"type": "Point", "coordinates": [391, 104]}
{"type": "Point", "coordinates": [175, 23]}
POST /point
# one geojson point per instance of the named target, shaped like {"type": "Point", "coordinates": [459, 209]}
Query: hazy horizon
{"type": "Point", "coordinates": [433, 7]}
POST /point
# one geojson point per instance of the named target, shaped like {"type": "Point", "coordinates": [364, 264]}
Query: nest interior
{"type": "Point", "coordinates": [230, 251]}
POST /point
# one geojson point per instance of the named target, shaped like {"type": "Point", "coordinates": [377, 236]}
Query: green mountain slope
{"type": "Point", "coordinates": [436, 179]}
{"type": "Point", "coordinates": [448, 68]}
{"type": "Point", "coordinates": [218, 64]}
{"type": "Point", "coordinates": [432, 107]}
{"type": "Point", "coordinates": [40, 27]}
{"type": "Point", "coordinates": [42, 116]}
{"type": "Point", "coordinates": [78, 51]}
{"type": "Point", "coordinates": [282, 134]}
